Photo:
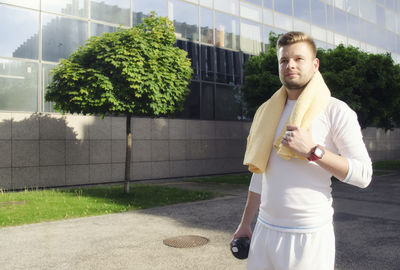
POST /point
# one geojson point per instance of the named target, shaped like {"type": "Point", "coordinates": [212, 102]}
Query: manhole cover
{"type": "Point", "coordinates": [186, 241]}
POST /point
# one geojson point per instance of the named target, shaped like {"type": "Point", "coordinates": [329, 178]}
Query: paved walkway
{"type": "Point", "coordinates": [367, 228]}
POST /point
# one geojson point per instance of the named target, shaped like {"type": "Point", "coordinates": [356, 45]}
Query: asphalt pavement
{"type": "Point", "coordinates": [367, 225]}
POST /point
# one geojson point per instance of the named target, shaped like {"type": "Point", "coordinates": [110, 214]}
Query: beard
{"type": "Point", "coordinates": [297, 84]}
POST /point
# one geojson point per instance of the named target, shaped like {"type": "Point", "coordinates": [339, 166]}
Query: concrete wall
{"type": "Point", "coordinates": [48, 150]}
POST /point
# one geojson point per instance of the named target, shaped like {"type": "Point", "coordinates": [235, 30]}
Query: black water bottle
{"type": "Point", "coordinates": [240, 247]}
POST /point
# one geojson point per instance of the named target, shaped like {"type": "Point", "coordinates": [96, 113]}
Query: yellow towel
{"type": "Point", "coordinates": [310, 103]}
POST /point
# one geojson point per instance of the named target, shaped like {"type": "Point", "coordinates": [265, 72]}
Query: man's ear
{"type": "Point", "coordinates": [316, 64]}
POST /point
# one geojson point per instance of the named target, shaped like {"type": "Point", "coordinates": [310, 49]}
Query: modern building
{"type": "Point", "coordinates": [39, 146]}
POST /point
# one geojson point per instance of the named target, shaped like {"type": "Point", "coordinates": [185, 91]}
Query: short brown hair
{"type": "Point", "coordinates": [295, 37]}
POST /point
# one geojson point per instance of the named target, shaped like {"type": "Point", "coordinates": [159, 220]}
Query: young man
{"type": "Point", "coordinates": [298, 139]}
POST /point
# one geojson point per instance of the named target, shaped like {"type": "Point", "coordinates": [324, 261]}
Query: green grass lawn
{"type": "Point", "coordinates": [241, 179]}
{"type": "Point", "coordinates": [34, 206]}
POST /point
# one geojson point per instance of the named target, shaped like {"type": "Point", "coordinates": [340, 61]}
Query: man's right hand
{"type": "Point", "coordinates": [242, 231]}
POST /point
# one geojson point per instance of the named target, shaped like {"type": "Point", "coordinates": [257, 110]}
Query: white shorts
{"type": "Point", "coordinates": [277, 250]}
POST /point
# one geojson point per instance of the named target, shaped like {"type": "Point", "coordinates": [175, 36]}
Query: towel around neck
{"type": "Point", "coordinates": [312, 100]}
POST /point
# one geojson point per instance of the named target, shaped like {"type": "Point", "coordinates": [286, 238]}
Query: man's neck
{"type": "Point", "coordinates": [293, 94]}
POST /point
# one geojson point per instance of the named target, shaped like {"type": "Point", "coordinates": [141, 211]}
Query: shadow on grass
{"type": "Point", "coordinates": [141, 196]}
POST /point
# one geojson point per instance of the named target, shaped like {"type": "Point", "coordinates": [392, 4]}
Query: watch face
{"type": "Point", "coordinates": [318, 152]}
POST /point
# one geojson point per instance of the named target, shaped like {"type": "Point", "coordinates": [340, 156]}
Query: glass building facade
{"type": "Point", "coordinates": [219, 36]}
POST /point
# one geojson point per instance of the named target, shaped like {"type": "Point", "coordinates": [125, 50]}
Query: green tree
{"type": "Point", "coordinates": [369, 83]}
{"type": "Point", "coordinates": [135, 71]}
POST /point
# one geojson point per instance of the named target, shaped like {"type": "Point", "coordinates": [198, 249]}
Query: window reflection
{"type": "Point", "coordinates": [226, 31]}
{"type": "Point", "coordinates": [142, 9]}
{"type": "Point", "coordinates": [113, 11]}
{"type": "Point", "coordinates": [250, 38]}
{"type": "Point", "coordinates": [192, 103]}
{"type": "Point", "coordinates": [352, 7]}
{"type": "Point", "coordinates": [193, 54]}
{"type": "Point", "coordinates": [207, 101]}
{"type": "Point", "coordinates": [368, 10]}
{"type": "Point", "coordinates": [318, 16]}
{"type": "Point", "coordinates": [206, 3]}
{"type": "Point", "coordinates": [229, 103]}
{"type": "Point", "coordinates": [340, 22]}
{"type": "Point", "coordinates": [47, 77]}
{"type": "Point", "coordinates": [96, 29]}
{"type": "Point", "coordinates": [206, 25]}
{"type": "Point", "coordinates": [284, 6]}
{"type": "Point", "coordinates": [61, 36]}
{"type": "Point", "coordinates": [354, 26]}
{"type": "Point", "coordinates": [18, 91]}
{"type": "Point", "coordinates": [71, 7]}
{"type": "Point", "coordinates": [19, 28]}
{"type": "Point", "coordinates": [301, 9]}
{"type": "Point", "coordinates": [268, 4]}
{"type": "Point", "coordinates": [24, 3]}
{"type": "Point", "coordinates": [207, 63]}
{"type": "Point", "coordinates": [250, 12]}
{"type": "Point", "coordinates": [230, 6]}
{"type": "Point", "coordinates": [185, 17]}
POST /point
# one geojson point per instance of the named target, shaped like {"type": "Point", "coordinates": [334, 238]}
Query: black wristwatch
{"type": "Point", "coordinates": [316, 153]}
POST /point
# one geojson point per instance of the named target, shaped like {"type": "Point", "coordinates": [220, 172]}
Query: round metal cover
{"type": "Point", "coordinates": [186, 241]}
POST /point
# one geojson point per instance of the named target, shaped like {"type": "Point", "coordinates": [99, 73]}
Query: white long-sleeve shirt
{"type": "Point", "coordinates": [296, 194]}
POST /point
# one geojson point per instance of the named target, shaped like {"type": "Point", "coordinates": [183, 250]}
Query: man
{"type": "Point", "coordinates": [298, 140]}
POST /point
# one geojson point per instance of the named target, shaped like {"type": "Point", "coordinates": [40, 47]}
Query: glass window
{"type": "Point", "coordinates": [318, 32]}
{"type": "Point", "coordinates": [354, 26]}
{"type": "Point", "coordinates": [268, 4]}
{"type": "Point", "coordinates": [192, 103]}
{"type": "Point", "coordinates": [96, 29]}
{"type": "Point", "coordinates": [255, 2]}
{"type": "Point", "coordinates": [284, 6]}
{"type": "Point", "coordinates": [301, 26]}
{"type": "Point", "coordinates": [268, 17]}
{"type": "Point", "coordinates": [329, 17]}
{"type": "Point", "coordinates": [24, 3]}
{"type": "Point", "coordinates": [142, 9]}
{"type": "Point", "coordinates": [318, 15]}
{"type": "Point", "coordinates": [320, 44]}
{"type": "Point", "coordinates": [250, 37]}
{"type": "Point", "coordinates": [340, 22]}
{"type": "Point", "coordinates": [207, 63]}
{"type": "Point", "coordinates": [381, 2]}
{"type": "Point", "coordinates": [390, 20]}
{"type": "Point", "coordinates": [390, 4]}
{"type": "Point", "coordinates": [206, 25]}
{"type": "Point", "coordinates": [230, 6]}
{"type": "Point", "coordinates": [226, 31]}
{"type": "Point", "coordinates": [229, 103]}
{"type": "Point", "coordinates": [301, 9]}
{"type": "Point", "coordinates": [250, 12]}
{"type": "Point", "coordinates": [61, 36]}
{"type": "Point", "coordinates": [283, 21]}
{"type": "Point", "coordinates": [186, 18]}
{"type": "Point", "coordinates": [206, 3]}
{"type": "Point", "coordinates": [113, 11]}
{"type": "Point", "coordinates": [340, 4]}
{"type": "Point", "coordinates": [380, 15]}
{"type": "Point", "coordinates": [221, 65]}
{"type": "Point", "coordinates": [47, 77]}
{"type": "Point", "coordinates": [352, 6]}
{"type": "Point", "coordinates": [193, 54]}
{"type": "Point", "coordinates": [71, 7]}
{"type": "Point", "coordinates": [20, 32]}
{"type": "Point", "coordinates": [267, 31]}
{"type": "Point", "coordinates": [19, 86]}
{"type": "Point", "coordinates": [368, 10]}
{"type": "Point", "coordinates": [207, 101]}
